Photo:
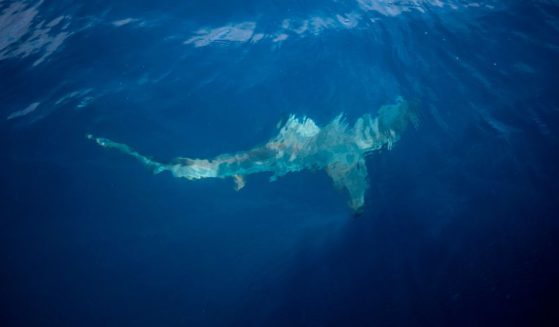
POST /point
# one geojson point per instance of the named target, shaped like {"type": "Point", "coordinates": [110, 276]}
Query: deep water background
{"type": "Point", "coordinates": [461, 222]}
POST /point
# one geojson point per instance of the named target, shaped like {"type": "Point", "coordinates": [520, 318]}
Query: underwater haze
{"type": "Point", "coordinates": [279, 163]}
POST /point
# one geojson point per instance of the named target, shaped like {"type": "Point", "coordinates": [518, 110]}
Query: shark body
{"type": "Point", "coordinates": [300, 144]}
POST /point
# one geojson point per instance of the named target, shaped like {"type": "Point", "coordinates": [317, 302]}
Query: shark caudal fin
{"type": "Point", "coordinates": [157, 167]}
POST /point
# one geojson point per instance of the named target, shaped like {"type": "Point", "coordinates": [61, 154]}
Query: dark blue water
{"type": "Point", "coordinates": [461, 221]}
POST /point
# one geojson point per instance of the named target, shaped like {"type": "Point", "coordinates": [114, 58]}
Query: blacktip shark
{"type": "Point", "coordinates": [301, 144]}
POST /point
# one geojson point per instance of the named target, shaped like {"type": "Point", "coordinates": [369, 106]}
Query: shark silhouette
{"type": "Point", "coordinates": [300, 144]}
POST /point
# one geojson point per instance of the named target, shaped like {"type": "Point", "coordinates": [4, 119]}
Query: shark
{"type": "Point", "coordinates": [338, 148]}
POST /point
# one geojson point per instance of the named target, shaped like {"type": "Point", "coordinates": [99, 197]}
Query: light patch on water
{"type": "Point", "coordinates": [29, 109]}
{"type": "Point", "coordinates": [125, 21]}
{"type": "Point", "coordinates": [23, 33]}
{"type": "Point", "coordinates": [473, 4]}
{"type": "Point", "coordinates": [257, 37]}
{"type": "Point", "coordinates": [394, 8]}
{"type": "Point", "coordinates": [386, 8]}
{"type": "Point", "coordinates": [299, 27]}
{"type": "Point", "coordinates": [246, 31]}
{"type": "Point", "coordinates": [280, 38]}
{"type": "Point", "coordinates": [81, 95]}
{"type": "Point", "coordinates": [73, 95]}
{"type": "Point", "coordinates": [15, 22]}
{"type": "Point", "coordinates": [319, 24]}
{"type": "Point", "coordinates": [350, 20]}
{"type": "Point", "coordinates": [85, 102]}
{"type": "Point", "coordinates": [237, 33]}
{"type": "Point", "coordinates": [51, 44]}
{"type": "Point", "coordinates": [315, 25]}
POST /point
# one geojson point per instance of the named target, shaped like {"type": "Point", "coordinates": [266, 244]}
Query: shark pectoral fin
{"type": "Point", "coordinates": [159, 169]}
{"type": "Point", "coordinates": [353, 178]}
{"type": "Point", "coordinates": [239, 182]}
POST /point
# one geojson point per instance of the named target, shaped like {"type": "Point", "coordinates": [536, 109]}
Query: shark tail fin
{"type": "Point", "coordinates": [156, 166]}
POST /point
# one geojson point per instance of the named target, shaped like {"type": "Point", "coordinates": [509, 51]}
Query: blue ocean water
{"type": "Point", "coordinates": [460, 226]}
